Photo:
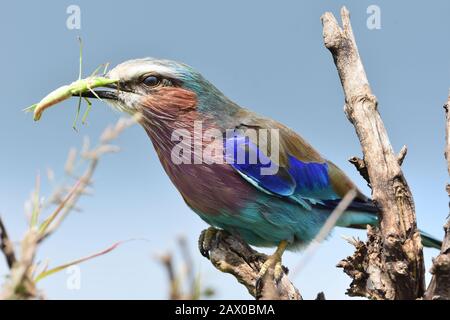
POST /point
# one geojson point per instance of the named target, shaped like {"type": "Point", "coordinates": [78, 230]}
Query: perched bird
{"type": "Point", "coordinates": [283, 207]}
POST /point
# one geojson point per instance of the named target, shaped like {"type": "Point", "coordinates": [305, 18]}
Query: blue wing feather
{"type": "Point", "coordinates": [245, 157]}
{"type": "Point", "coordinates": [299, 180]}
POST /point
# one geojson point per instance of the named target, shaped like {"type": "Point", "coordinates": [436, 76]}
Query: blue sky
{"type": "Point", "coordinates": [264, 55]}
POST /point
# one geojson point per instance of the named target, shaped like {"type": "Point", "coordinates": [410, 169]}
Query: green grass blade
{"type": "Point", "coordinates": [49, 272]}
{"type": "Point", "coordinates": [43, 227]}
{"type": "Point", "coordinates": [35, 202]}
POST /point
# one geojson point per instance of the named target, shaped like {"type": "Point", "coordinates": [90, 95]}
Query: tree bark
{"type": "Point", "coordinates": [439, 287]}
{"type": "Point", "coordinates": [397, 271]}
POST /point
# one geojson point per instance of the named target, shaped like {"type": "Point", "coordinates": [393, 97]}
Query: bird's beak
{"type": "Point", "coordinates": [116, 93]}
{"type": "Point", "coordinates": [112, 94]}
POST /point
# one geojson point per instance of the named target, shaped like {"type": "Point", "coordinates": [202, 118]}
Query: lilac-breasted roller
{"type": "Point", "coordinates": [285, 208]}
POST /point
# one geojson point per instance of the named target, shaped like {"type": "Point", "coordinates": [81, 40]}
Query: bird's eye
{"type": "Point", "coordinates": [151, 81]}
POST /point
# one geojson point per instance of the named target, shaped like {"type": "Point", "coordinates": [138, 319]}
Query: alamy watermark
{"type": "Point", "coordinates": [258, 147]}
{"type": "Point", "coordinates": [74, 19]}
{"type": "Point", "coordinates": [374, 20]}
{"type": "Point", "coordinates": [73, 281]}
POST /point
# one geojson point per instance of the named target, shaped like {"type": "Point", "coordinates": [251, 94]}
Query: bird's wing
{"type": "Point", "coordinates": [300, 173]}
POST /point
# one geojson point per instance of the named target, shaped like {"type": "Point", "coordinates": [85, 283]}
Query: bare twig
{"type": "Point", "coordinates": [360, 165]}
{"type": "Point", "coordinates": [167, 262]}
{"type": "Point", "coordinates": [401, 155]}
{"type": "Point", "coordinates": [184, 283]}
{"type": "Point", "coordinates": [188, 264]}
{"type": "Point", "coordinates": [400, 250]}
{"type": "Point", "coordinates": [6, 245]}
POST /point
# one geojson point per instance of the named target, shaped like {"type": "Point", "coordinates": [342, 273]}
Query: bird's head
{"type": "Point", "coordinates": [160, 88]}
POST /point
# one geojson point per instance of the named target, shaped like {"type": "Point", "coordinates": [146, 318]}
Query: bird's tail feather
{"type": "Point", "coordinates": [430, 241]}
{"type": "Point", "coordinates": [361, 214]}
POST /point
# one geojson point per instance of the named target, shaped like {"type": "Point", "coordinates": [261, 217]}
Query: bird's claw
{"type": "Point", "coordinates": [278, 273]}
{"type": "Point", "coordinates": [204, 241]}
{"type": "Point", "coordinates": [273, 261]}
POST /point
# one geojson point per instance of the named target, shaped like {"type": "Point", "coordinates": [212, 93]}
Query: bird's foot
{"type": "Point", "coordinates": [273, 261]}
{"type": "Point", "coordinates": [204, 241]}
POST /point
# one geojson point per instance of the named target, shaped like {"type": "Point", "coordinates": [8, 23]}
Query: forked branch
{"type": "Point", "coordinates": [398, 270]}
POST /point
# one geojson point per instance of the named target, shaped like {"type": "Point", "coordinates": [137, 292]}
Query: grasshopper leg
{"type": "Point", "coordinates": [83, 119]}
{"type": "Point", "coordinates": [95, 94]}
{"type": "Point", "coordinates": [74, 124]}
{"type": "Point", "coordinates": [88, 109]}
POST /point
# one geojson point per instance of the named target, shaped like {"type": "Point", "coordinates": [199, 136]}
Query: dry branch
{"type": "Point", "coordinates": [439, 287]}
{"type": "Point", "coordinates": [399, 254]}
{"type": "Point", "coordinates": [232, 255]}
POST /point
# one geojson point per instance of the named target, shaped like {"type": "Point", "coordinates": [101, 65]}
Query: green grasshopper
{"type": "Point", "coordinates": [77, 87]}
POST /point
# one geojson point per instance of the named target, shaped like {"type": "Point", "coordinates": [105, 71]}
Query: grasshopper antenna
{"type": "Point", "coordinates": [81, 58]}
{"type": "Point", "coordinates": [106, 68]}
{"type": "Point", "coordinates": [74, 125]}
